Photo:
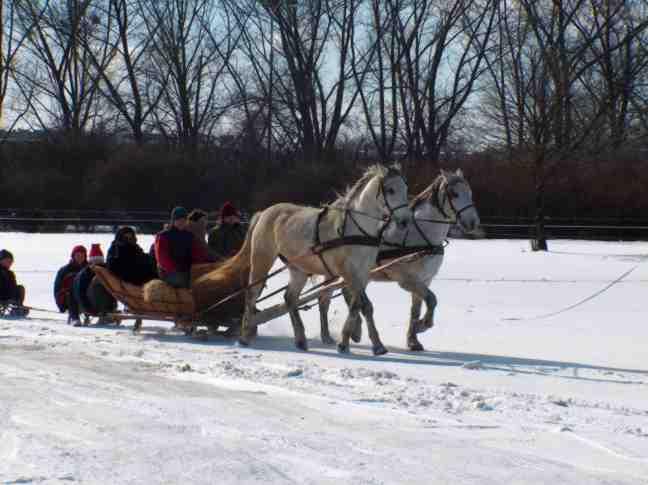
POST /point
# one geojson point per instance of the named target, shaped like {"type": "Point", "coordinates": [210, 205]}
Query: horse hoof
{"type": "Point", "coordinates": [343, 349]}
{"type": "Point", "coordinates": [415, 346]}
{"type": "Point", "coordinates": [327, 340]}
{"type": "Point", "coordinates": [356, 335]}
{"type": "Point", "coordinates": [302, 345]}
{"type": "Point", "coordinates": [243, 342]}
{"type": "Point", "coordinates": [380, 350]}
{"type": "Point", "coordinates": [423, 325]}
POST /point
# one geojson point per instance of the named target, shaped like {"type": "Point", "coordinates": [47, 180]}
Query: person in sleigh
{"type": "Point", "coordinates": [12, 295]}
{"type": "Point", "coordinates": [65, 277]}
{"type": "Point", "coordinates": [88, 295]}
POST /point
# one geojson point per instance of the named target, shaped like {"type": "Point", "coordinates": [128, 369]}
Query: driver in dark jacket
{"type": "Point", "coordinates": [176, 249]}
{"type": "Point", "coordinates": [128, 261]}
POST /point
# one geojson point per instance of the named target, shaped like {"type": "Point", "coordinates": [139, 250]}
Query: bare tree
{"type": "Point", "coordinates": [301, 66]}
{"type": "Point", "coordinates": [374, 63]}
{"type": "Point", "coordinates": [440, 56]}
{"type": "Point", "coordinates": [192, 42]}
{"type": "Point", "coordinates": [554, 84]}
{"type": "Point", "coordinates": [618, 30]}
{"type": "Point", "coordinates": [56, 75]}
{"type": "Point", "coordinates": [120, 65]}
{"type": "Point", "coordinates": [11, 40]}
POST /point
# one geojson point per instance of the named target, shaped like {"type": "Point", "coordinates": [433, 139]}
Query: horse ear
{"type": "Point", "coordinates": [396, 166]}
{"type": "Point", "coordinates": [459, 173]}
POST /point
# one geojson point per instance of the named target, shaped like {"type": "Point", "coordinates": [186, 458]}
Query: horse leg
{"type": "Point", "coordinates": [420, 292]}
{"type": "Point", "coordinates": [356, 333]}
{"type": "Point", "coordinates": [430, 304]}
{"type": "Point", "coordinates": [355, 304]}
{"type": "Point", "coordinates": [367, 310]}
{"type": "Point", "coordinates": [248, 325]}
{"type": "Point", "coordinates": [415, 311]}
{"type": "Point", "coordinates": [324, 302]}
{"type": "Point", "coordinates": [258, 270]}
{"type": "Point", "coordinates": [297, 282]}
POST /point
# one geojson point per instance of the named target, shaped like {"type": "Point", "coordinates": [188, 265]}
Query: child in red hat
{"type": "Point", "coordinates": [96, 254]}
{"type": "Point", "coordinates": [88, 294]}
{"type": "Point", "coordinates": [65, 276]}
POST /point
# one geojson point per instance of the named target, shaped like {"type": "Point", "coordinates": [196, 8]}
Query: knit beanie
{"type": "Point", "coordinates": [228, 209]}
{"type": "Point", "coordinates": [96, 255]}
{"type": "Point", "coordinates": [78, 249]}
{"type": "Point", "coordinates": [179, 213]}
{"type": "Point", "coordinates": [4, 254]}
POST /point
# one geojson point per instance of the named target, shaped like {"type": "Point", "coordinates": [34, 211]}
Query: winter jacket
{"type": "Point", "coordinates": [63, 283]}
{"type": "Point", "coordinates": [226, 239]}
{"type": "Point", "coordinates": [84, 291]}
{"type": "Point", "coordinates": [129, 262]}
{"type": "Point", "coordinates": [176, 251]}
{"type": "Point", "coordinates": [80, 286]}
{"type": "Point", "coordinates": [8, 286]}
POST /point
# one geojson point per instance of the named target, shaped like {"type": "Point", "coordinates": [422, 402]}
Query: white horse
{"type": "Point", "coordinates": [340, 240]}
{"type": "Point", "coordinates": [446, 201]}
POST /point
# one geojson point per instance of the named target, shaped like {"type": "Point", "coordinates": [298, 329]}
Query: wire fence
{"type": "Point", "coordinates": [144, 221]}
{"type": "Point", "coordinates": [150, 221]}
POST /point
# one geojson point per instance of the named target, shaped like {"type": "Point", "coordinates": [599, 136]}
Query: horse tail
{"type": "Point", "coordinates": [229, 277]}
{"type": "Point", "coordinates": [244, 255]}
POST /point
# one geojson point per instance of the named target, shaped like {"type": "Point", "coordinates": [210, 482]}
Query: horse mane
{"type": "Point", "coordinates": [353, 190]}
{"type": "Point", "coordinates": [430, 193]}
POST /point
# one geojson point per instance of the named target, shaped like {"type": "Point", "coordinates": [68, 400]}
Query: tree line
{"type": "Point", "coordinates": [546, 90]}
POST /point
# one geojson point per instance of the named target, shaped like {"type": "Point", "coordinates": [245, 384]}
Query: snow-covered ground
{"type": "Point", "coordinates": [497, 398]}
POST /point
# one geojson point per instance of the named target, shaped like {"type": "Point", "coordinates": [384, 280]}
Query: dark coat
{"type": "Point", "coordinates": [80, 286]}
{"type": "Point", "coordinates": [84, 291]}
{"type": "Point", "coordinates": [130, 263]}
{"type": "Point", "coordinates": [176, 251]}
{"type": "Point", "coordinates": [63, 283]}
{"type": "Point", "coordinates": [226, 239]}
{"type": "Point", "coordinates": [8, 286]}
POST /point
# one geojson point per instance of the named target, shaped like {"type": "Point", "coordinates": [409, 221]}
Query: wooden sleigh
{"type": "Point", "coordinates": [177, 305]}
{"type": "Point", "coordinates": [182, 309]}
{"type": "Point", "coordinates": [190, 309]}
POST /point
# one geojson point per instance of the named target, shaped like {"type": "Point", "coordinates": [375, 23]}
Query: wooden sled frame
{"type": "Point", "coordinates": [133, 298]}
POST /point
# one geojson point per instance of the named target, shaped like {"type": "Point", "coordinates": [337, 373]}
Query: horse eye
{"type": "Point", "coordinates": [391, 191]}
{"type": "Point", "coordinates": [453, 194]}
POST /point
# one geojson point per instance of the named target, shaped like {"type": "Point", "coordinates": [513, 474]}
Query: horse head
{"type": "Point", "coordinates": [387, 191]}
{"type": "Point", "coordinates": [454, 198]}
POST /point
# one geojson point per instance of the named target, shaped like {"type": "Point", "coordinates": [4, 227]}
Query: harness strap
{"type": "Point", "coordinates": [319, 246]}
{"type": "Point", "coordinates": [399, 252]}
{"type": "Point", "coordinates": [423, 235]}
{"type": "Point", "coordinates": [318, 242]}
{"type": "Point", "coordinates": [346, 241]}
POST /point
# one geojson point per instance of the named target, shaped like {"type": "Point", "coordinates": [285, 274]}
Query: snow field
{"type": "Point", "coordinates": [498, 397]}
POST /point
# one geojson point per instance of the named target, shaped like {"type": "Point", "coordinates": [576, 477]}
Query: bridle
{"type": "Point", "coordinates": [351, 213]}
{"type": "Point", "coordinates": [439, 199]}
{"type": "Point", "coordinates": [440, 204]}
{"type": "Point", "coordinates": [365, 238]}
